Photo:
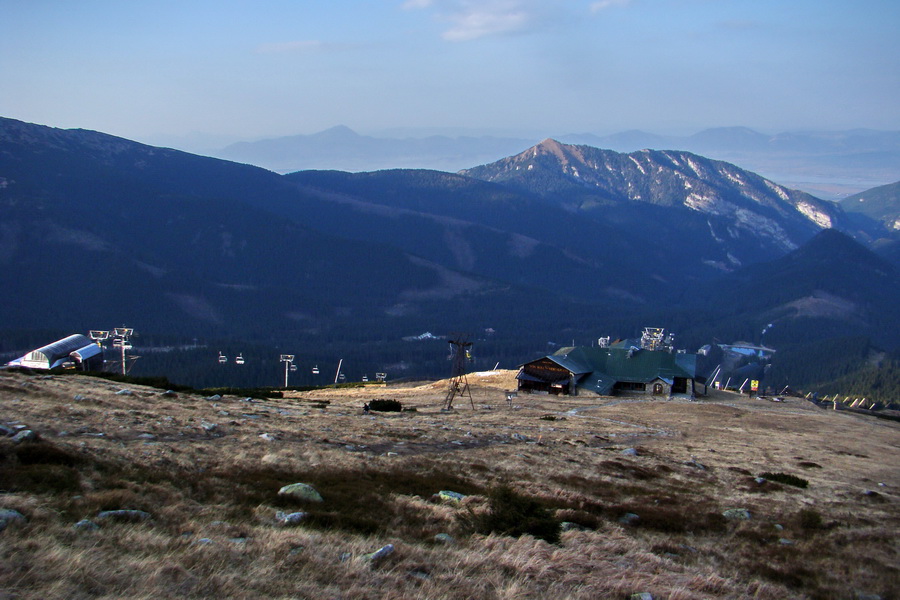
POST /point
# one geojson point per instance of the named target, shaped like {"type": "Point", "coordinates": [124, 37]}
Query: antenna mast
{"type": "Point", "coordinates": [460, 353]}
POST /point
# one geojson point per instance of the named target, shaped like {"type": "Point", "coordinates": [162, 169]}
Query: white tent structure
{"type": "Point", "coordinates": [76, 351]}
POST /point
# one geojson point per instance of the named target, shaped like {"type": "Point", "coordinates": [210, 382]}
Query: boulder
{"type": "Point", "coordinates": [26, 435]}
{"type": "Point", "coordinates": [450, 496]}
{"type": "Point", "coordinates": [379, 554]}
{"type": "Point", "coordinates": [301, 491]}
{"type": "Point", "coordinates": [9, 516]}
{"type": "Point", "coordinates": [737, 514]}
{"type": "Point", "coordinates": [86, 525]}
{"type": "Point", "coordinates": [123, 516]}
{"type": "Point", "coordinates": [290, 519]}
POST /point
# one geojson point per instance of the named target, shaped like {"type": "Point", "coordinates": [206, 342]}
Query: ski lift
{"type": "Point", "coordinates": [293, 367]}
{"type": "Point", "coordinates": [365, 378]}
{"type": "Point", "coordinates": [222, 359]}
{"type": "Point", "coordinates": [239, 359]}
{"type": "Point", "coordinates": [315, 370]}
{"type": "Point", "coordinates": [342, 377]}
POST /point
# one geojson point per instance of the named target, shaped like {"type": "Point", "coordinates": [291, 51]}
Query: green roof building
{"type": "Point", "coordinates": [605, 371]}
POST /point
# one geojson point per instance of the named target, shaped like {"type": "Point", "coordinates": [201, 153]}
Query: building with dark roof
{"type": "Point", "coordinates": [621, 369]}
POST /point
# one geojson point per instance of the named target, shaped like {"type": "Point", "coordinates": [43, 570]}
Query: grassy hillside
{"type": "Point", "coordinates": [644, 485]}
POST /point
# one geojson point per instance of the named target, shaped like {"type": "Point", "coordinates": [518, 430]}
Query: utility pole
{"type": "Point", "coordinates": [288, 360]}
{"type": "Point", "coordinates": [121, 337]}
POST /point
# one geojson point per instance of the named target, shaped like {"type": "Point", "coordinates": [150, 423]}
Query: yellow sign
{"type": "Point", "coordinates": [754, 385]}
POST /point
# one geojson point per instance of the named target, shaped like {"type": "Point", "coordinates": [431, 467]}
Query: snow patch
{"type": "Point", "coordinates": [814, 214]}
{"type": "Point", "coordinates": [639, 165]}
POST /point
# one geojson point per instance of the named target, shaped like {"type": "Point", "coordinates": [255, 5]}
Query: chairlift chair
{"type": "Point", "coordinates": [315, 370]}
{"type": "Point", "coordinates": [222, 359]}
{"type": "Point", "coordinates": [239, 360]}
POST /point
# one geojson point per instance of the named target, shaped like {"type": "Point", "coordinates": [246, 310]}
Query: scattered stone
{"type": "Point", "coordinates": [629, 519]}
{"type": "Point", "coordinates": [519, 437]}
{"type": "Point", "coordinates": [570, 526]}
{"type": "Point", "coordinates": [785, 542]}
{"type": "Point", "coordinates": [641, 596]}
{"type": "Point", "coordinates": [779, 527]}
{"type": "Point", "coordinates": [345, 556]}
{"type": "Point", "coordinates": [146, 436]}
{"type": "Point", "coordinates": [268, 437]}
{"type": "Point", "coordinates": [86, 525]}
{"type": "Point", "coordinates": [214, 398]}
{"type": "Point", "coordinates": [629, 452]}
{"type": "Point", "coordinates": [449, 496]}
{"type": "Point", "coordinates": [203, 542]}
{"type": "Point", "coordinates": [290, 519]}
{"type": "Point", "coordinates": [125, 392]}
{"type": "Point", "coordinates": [7, 431]}
{"type": "Point", "coordinates": [208, 427]}
{"type": "Point", "coordinates": [169, 394]}
{"type": "Point", "coordinates": [420, 574]}
{"type": "Point", "coordinates": [9, 516]}
{"type": "Point", "coordinates": [379, 554]}
{"type": "Point", "coordinates": [79, 398]}
{"type": "Point", "coordinates": [123, 516]}
{"type": "Point", "coordinates": [301, 491]}
{"type": "Point", "coordinates": [26, 435]}
{"type": "Point", "coordinates": [695, 464]}
{"type": "Point", "coordinates": [760, 480]}
{"type": "Point", "coordinates": [737, 514]}
{"type": "Point", "coordinates": [444, 538]}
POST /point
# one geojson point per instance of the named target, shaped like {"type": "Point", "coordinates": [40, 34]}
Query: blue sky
{"type": "Point", "coordinates": [248, 69]}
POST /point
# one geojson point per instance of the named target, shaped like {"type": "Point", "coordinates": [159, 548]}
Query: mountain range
{"type": "Point", "coordinates": [550, 244]}
{"type": "Point", "coordinates": [829, 164]}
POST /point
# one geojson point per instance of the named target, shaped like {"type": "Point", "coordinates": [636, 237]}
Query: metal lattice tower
{"type": "Point", "coordinates": [460, 353]}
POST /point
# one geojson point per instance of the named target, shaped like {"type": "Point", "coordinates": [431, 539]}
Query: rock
{"type": "Point", "coordinates": [79, 398]}
{"type": "Point", "coordinates": [125, 393]}
{"type": "Point", "coordinates": [737, 514]}
{"type": "Point", "coordinates": [629, 519]}
{"type": "Point", "coordinates": [444, 538]}
{"type": "Point", "coordinates": [208, 427]}
{"type": "Point", "coordinates": [214, 398]}
{"type": "Point", "coordinates": [641, 596]}
{"type": "Point", "coordinates": [7, 431]}
{"type": "Point", "coordinates": [169, 394]}
{"type": "Point", "coordinates": [629, 452]}
{"type": "Point", "coordinates": [570, 526]}
{"type": "Point", "coordinates": [785, 542]}
{"type": "Point", "coordinates": [760, 480]}
{"type": "Point", "coordinates": [86, 525]}
{"type": "Point", "coordinates": [379, 554]}
{"type": "Point", "coordinates": [301, 491]}
{"type": "Point", "coordinates": [123, 516]}
{"type": "Point", "coordinates": [449, 496]}
{"type": "Point", "coordinates": [26, 435]}
{"type": "Point", "coordinates": [519, 437]}
{"type": "Point", "coordinates": [290, 519]}
{"type": "Point", "coordinates": [146, 436]}
{"type": "Point", "coordinates": [695, 464]}
{"type": "Point", "coordinates": [268, 437]}
{"type": "Point", "coordinates": [9, 516]}
{"type": "Point", "coordinates": [345, 556]}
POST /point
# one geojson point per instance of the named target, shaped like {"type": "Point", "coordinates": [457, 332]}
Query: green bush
{"type": "Point", "coordinates": [515, 515]}
{"type": "Point", "coordinates": [786, 479]}
{"type": "Point", "coordinates": [386, 405]}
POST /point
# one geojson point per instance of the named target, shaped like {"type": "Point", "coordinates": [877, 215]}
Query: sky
{"type": "Point", "coordinates": [229, 70]}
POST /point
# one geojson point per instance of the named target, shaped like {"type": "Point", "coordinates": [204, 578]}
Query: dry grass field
{"type": "Point", "coordinates": [642, 485]}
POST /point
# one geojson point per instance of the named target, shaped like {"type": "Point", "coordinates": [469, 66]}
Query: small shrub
{"type": "Point", "coordinates": [515, 515]}
{"type": "Point", "coordinates": [809, 519]}
{"type": "Point", "coordinates": [786, 479]}
{"type": "Point", "coordinates": [386, 405]}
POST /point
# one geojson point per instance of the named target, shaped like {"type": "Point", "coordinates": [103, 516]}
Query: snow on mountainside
{"type": "Point", "coordinates": [588, 178]}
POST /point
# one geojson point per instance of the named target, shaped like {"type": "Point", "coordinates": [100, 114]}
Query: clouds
{"type": "Point", "coordinates": [474, 19]}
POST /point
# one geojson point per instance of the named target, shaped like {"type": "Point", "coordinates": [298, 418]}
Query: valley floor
{"type": "Point", "coordinates": [642, 484]}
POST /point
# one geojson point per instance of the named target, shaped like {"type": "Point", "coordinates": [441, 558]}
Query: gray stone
{"type": "Point", "coordinates": [268, 437]}
{"type": "Point", "coordinates": [7, 431]}
{"type": "Point", "coordinates": [760, 480]}
{"type": "Point", "coordinates": [737, 514]}
{"type": "Point", "coordinates": [641, 596]}
{"type": "Point", "coordinates": [125, 393]}
{"type": "Point", "coordinates": [629, 452]}
{"type": "Point", "coordinates": [26, 435]}
{"type": "Point", "coordinates": [570, 526]}
{"type": "Point", "coordinates": [450, 496]}
{"type": "Point", "coordinates": [345, 556]}
{"type": "Point", "coordinates": [169, 394]}
{"type": "Point", "coordinates": [301, 491]}
{"type": "Point", "coordinates": [214, 398]}
{"type": "Point", "coordinates": [379, 554]}
{"type": "Point", "coordinates": [785, 542]}
{"type": "Point", "coordinates": [290, 519]}
{"type": "Point", "coordinates": [123, 516]}
{"type": "Point", "coordinates": [9, 516]}
{"type": "Point", "coordinates": [146, 436]}
{"type": "Point", "coordinates": [79, 398]}
{"type": "Point", "coordinates": [444, 538]}
{"type": "Point", "coordinates": [86, 525]}
{"type": "Point", "coordinates": [629, 519]}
